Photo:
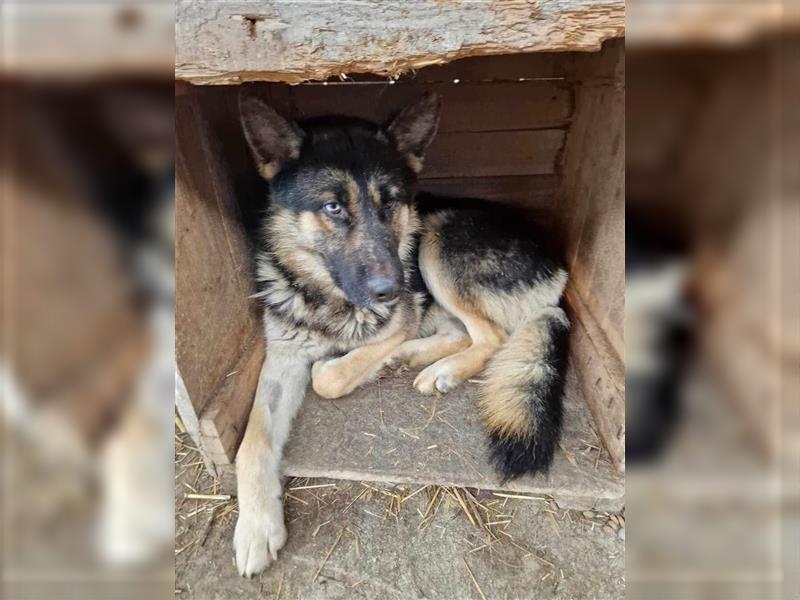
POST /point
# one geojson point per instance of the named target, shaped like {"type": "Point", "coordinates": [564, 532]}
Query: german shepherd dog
{"type": "Point", "coordinates": [357, 271]}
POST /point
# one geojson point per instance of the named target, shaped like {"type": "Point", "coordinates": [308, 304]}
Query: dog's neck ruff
{"type": "Point", "coordinates": [303, 305]}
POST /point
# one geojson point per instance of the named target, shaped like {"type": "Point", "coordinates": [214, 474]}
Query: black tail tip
{"type": "Point", "coordinates": [514, 457]}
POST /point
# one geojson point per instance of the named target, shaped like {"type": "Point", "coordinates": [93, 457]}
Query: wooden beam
{"type": "Point", "coordinates": [301, 40]}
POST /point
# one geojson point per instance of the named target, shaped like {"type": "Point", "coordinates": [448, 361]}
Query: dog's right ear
{"type": "Point", "coordinates": [273, 140]}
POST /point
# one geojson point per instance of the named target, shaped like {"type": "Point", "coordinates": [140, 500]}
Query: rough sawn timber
{"type": "Point", "coordinates": [294, 41]}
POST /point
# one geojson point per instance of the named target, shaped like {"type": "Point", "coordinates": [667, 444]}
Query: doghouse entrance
{"type": "Point", "coordinates": [544, 132]}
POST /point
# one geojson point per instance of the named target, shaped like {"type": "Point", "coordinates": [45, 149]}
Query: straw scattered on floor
{"type": "Point", "coordinates": [201, 506]}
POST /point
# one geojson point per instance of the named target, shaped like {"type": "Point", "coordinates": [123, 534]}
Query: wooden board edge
{"type": "Point", "coordinates": [223, 421]}
{"type": "Point", "coordinates": [601, 373]}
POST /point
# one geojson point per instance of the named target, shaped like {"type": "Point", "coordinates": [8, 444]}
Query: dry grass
{"type": "Point", "coordinates": [200, 505]}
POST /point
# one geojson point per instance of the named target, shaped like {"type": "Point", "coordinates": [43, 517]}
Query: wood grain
{"type": "Point", "coordinates": [601, 374]}
{"type": "Point", "coordinates": [233, 42]}
{"type": "Point", "coordinates": [213, 312]}
{"type": "Point", "coordinates": [465, 106]}
{"type": "Point", "coordinates": [495, 153]}
{"type": "Point", "coordinates": [593, 221]}
{"type": "Point", "coordinates": [224, 418]}
{"type": "Point", "coordinates": [534, 191]}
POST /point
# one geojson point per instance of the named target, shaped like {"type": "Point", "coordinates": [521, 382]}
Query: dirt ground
{"type": "Point", "coordinates": [364, 540]}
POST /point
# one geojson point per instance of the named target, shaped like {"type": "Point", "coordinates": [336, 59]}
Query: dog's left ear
{"type": "Point", "coordinates": [273, 139]}
{"type": "Point", "coordinates": [414, 128]}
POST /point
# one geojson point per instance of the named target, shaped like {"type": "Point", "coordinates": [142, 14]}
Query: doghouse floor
{"type": "Point", "coordinates": [388, 432]}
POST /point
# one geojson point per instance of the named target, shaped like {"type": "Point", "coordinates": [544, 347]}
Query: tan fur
{"type": "Point", "coordinates": [510, 309]}
{"type": "Point", "coordinates": [294, 237]}
{"type": "Point", "coordinates": [486, 336]}
{"type": "Point", "coordinates": [441, 334]}
{"type": "Point", "coordinates": [449, 372]}
{"type": "Point", "coordinates": [407, 223]}
{"type": "Point", "coordinates": [353, 195]}
{"type": "Point", "coordinates": [414, 162]}
{"type": "Point", "coordinates": [373, 187]}
{"type": "Point", "coordinates": [257, 440]}
{"type": "Point", "coordinates": [425, 351]}
{"type": "Point", "coordinates": [268, 170]}
{"type": "Point", "coordinates": [504, 409]}
{"type": "Point", "coordinates": [312, 224]}
{"type": "Point", "coordinates": [337, 377]}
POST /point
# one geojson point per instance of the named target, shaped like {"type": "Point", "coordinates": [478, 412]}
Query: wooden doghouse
{"type": "Point", "coordinates": [533, 115]}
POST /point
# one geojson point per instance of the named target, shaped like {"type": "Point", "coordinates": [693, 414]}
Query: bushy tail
{"type": "Point", "coordinates": [522, 398]}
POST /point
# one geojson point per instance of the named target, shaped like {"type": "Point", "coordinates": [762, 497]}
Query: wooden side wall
{"type": "Point", "coordinates": [218, 338]}
{"type": "Point", "coordinates": [592, 214]}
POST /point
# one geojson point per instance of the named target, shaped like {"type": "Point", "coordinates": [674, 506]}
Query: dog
{"type": "Point", "coordinates": [356, 271]}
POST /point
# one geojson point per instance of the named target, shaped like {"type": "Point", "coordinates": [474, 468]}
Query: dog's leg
{"type": "Point", "coordinates": [260, 531]}
{"type": "Point", "coordinates": [449, 338]}
{"type": "Point", "coordinates": [337, 377]}
{"type": "Point", "coordinates": [447, 373]}
{"type": "Point", "coordinates": [486, 335]}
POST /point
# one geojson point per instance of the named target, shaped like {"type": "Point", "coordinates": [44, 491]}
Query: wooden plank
{"type": "Point", "coordinates": [493, 68]}
{"type": "Point", "coordinates": [593, 190]}
{"type": "Point", "coordinates": [601, 373]}
{"type": "Point", "coordinates": [404, 445]}
{"type": "Point", "coordinates": [189, 416]}
{"type": "Point", "coordinates": [496, 153]}
{"type": "Point", "coordinates": [503, 67]}
{"type": "Point", "coordinates": [465, 106]}
{"type": "Point", "coordinates": [535, 191]}
{"type": "Point", "coordinates": [240, 41]}
{"type": "Point", "coordinates": [213, 313]}
{"type": "Point", "coordinates": [224, 419]}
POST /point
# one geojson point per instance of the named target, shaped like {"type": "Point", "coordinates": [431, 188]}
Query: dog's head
{"type": "Point", "coordinates": [342, 193]}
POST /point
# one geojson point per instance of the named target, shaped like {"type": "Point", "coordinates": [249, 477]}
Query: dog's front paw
{"type": "Point", "coordinates": [258, 537]}
{"type": "Point", "coordinates": [326, 379]}
{"type": "Point", "coordinates": [437, 378]}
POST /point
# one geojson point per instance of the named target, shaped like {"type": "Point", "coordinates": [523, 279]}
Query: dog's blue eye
{"type": "Point", "coordinates": [332, 208]}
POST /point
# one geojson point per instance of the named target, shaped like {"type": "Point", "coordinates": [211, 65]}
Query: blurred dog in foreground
{"type": "Point", "coordinates": [357, 271]}
{"type": "Point", "coordinates": [88, 367]}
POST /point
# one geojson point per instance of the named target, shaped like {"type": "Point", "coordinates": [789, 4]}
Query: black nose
{"type": "Point", "coordinates": [383, 289]}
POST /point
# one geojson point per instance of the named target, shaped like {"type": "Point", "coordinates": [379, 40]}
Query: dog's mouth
{"type": "Point", "coordinates": [362, 300]}
{"type": "Point", "coordinates": [370, 304]}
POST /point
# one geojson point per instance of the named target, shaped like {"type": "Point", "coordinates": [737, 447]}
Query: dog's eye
{"type": "Point", "coordinates": [334, 209]}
